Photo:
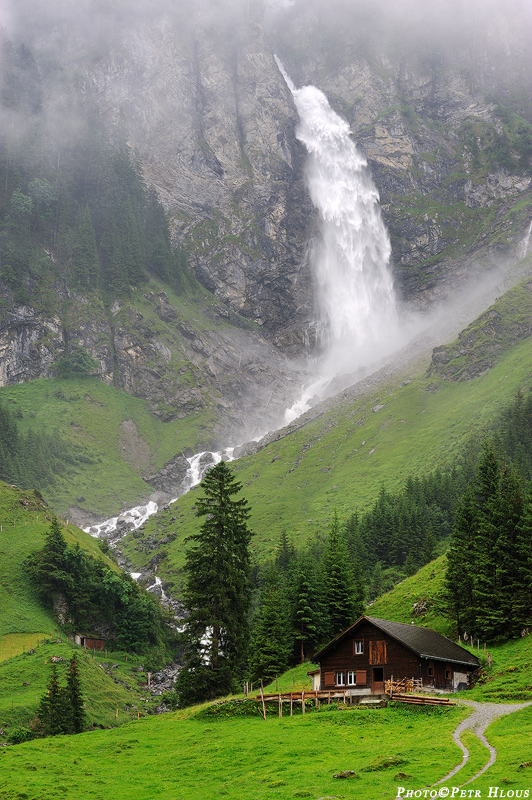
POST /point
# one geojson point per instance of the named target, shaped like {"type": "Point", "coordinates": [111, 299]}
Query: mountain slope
{"type": "Point", "coordinates": [25, 520]}
{"type": "Point", "coordinates": [176, 373]}
{"type": "Point", "coordinates": [339, 455]}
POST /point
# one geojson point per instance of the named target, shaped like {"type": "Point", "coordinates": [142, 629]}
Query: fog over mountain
{"type": "Point", "coordinates": [189, 101]}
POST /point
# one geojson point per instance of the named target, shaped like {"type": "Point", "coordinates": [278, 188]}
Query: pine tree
{"type": "Point", "coordinates": [498, 543]}
{"type": "Point", "coordinates": [217, 592]}
{"type": "Point", "coordinates": [271, 642]}
{"type": "Point", "coordinates": [308, 613]}
{"type": "Point", "coordinates": [74, 698]}
{"type": "Point", "coordinates": [48, 567]}
{"type": "Point", "coordinates": [461, 570]}
{"type": "Point", "coordinates": [86, 264]}
{"type": "Point", "coordinates": [52, 712]}
{"type": "Point", "coordinates": [522, 594]}
{"type": "Point", "coordinates": [341, 595]}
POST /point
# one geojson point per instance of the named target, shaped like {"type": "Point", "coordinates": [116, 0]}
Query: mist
{"type": "Point", "coordinates": [76, 50]}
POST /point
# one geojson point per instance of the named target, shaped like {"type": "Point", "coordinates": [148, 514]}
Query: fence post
{"type": "Point", "coordinates": [263, 704]}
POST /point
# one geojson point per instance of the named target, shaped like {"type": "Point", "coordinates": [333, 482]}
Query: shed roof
{"type": "Point", "coordinates": [425, 642]}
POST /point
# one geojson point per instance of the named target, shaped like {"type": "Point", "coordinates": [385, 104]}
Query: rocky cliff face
{"type": "Point", "coordinates": [214, 124]}
{"type": "Point", "coordinates": [184, 358]}
{"type": "Point", "coordinates": [428, 94]}
{"type": "Point", "coordinates": [441, 109]}
{"type": "Point", "coordinates": [211, 117]}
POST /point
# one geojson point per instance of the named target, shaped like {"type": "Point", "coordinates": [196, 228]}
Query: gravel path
{"type": "Point", "coordinates": [477, 722]}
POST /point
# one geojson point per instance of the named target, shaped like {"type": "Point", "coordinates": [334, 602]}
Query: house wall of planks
{"type": "Point", "coordinates": [369, 657]}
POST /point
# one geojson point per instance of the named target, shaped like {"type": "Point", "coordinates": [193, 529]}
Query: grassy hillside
{"type": "Point", "coordinates": [340, 459]}
{"type": "Point", "coordinates": [424, 590]}
{"type": "Point", "coordinates": [25, 625]}
{"type": "Point", "coordinates": [24, 522]}
{"type": "Point", "coordinates": [90, 414]}
{"type": "Point", "coordinates": [166, 345]}
{"type": "Point", "coordinates": [110, 684]}
{"type": "Point", "coordinates": [178, 756]}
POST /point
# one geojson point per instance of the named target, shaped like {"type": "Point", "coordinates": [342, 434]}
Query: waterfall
{"type": "Point", "coordinates": [356, 304]}
{"type": "Point", "coordinates": [135, 517]}
{"type": "Point", "coordinates": [357, 322]}
{"type": "Point", "coordinates": [522, 250]}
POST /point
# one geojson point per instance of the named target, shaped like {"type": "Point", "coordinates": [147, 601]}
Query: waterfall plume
{"type": "Point", "coordinates": [355, 299]}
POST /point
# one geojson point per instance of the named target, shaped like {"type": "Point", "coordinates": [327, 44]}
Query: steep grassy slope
{"type": "Point", "coordinates": [110, 685]}
{"type": "Point", "coordinates": [25, 625]}
{"type": "Point", "coordinates": [341, 458]}
{"type": "Point", "coordinates": [123, 439]}
{"type": "Point", "coordinates": [24, 522]}
{"type": "Point", "coordinates": [178, 373]}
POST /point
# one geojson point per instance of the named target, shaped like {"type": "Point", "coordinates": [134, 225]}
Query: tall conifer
{"type": "Point", "coordinates": [217, 592]}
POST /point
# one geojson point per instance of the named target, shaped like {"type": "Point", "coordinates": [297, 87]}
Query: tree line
{"type": "Point", "coordinates": [77, 195]}
{"type": "Point", "coordinates": [94, 597]}
{"type": "Point", "coordinates": [489, 563]}
{"type": "Point", "coordinates": [33, 459]}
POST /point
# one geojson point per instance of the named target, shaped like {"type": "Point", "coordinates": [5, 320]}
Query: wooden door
{"type": "Point", "coordinates": [377, 680]}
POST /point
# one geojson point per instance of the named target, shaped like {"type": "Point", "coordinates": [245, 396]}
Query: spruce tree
{"type": "Point", "coordinates": [271, 642]}
{"type": "Point", "coordinates": [52, 712]}
{"type": "Point", "coordinates": [461, 569]}
{"type": "Point", "coordinates": [74, 698]}
{"type": "Point", "coordinates": [86, 267]}
{"type": "Point", "coordinates": [498, 551]}
{"type": "Point", "coordinates": [308, 612]}
{"type": "Point", "coordinates": [217, 591]}
{"type": "Point", "coordinates": [48, 567]}
{"type": "Point", "coordinates": [343, 600]}
{"type": "Point", "coordinates": [522, 594]}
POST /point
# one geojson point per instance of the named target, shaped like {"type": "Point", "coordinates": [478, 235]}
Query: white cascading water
{"type": "Point", "coordinates": [356, 304]}
{"type": "Point", "coordinates": [135, 517]}
{"type": "Point", "coordinates": [358, 320]}
{"type": "Point", "coordinates": [525, 244]}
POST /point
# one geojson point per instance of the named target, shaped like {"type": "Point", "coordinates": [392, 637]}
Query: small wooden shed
{"type": "Point", "coordinates": [90, 642]}
{"type": "Point", "coordinates": [365, 657]}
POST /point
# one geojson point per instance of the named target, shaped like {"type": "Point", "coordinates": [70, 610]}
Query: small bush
{"type": "Point", "coordinates": [19, 735]}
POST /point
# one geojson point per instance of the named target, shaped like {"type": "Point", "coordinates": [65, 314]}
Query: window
{"type": "Point", "coordinates": [340, 678]}
{"type": "Point", "coordinates": [358, 647]}
{"type": "Point", "coordinates": [431, 669]}
{"type": "Point", "coordinates": [448, 673]}
{"type": "Point", "coordinates": [351, 678]}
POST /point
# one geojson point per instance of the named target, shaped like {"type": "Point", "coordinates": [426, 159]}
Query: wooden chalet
{"type": "Point", "coordinates": [364, 659]}
{"type": "Point", "coordinates": [90, 642]}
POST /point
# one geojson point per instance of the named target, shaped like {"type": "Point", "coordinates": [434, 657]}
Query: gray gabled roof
{"type": "Point", "coordinates": [425, 642]}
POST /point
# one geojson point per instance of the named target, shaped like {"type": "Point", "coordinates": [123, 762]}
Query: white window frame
{"type": "Point", "coordinates": [340, 678]}
{"type": "Point", "coordinates": [351, 677]}
{"type": "Point", "coordinates": [359, 647]}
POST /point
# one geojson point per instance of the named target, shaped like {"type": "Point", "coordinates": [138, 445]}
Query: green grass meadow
{"type": "Point", "coordinates": [179, 757]}
{"type": "Point", "coordinates": [24, 522]}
